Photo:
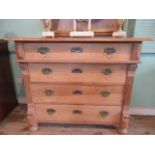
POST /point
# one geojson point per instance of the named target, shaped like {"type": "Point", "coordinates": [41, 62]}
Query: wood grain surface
{"type": "Point", "coordinates": [76, 94]}
{"type": "Point", "coordinates": [95, 74]}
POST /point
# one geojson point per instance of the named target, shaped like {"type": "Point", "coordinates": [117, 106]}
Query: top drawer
{"type": "Point", "coordinates": [78, 52]}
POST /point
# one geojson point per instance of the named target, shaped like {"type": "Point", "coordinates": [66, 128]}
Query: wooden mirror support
{"type": "Point", "coordinates": [94, 27]}
{"type": "Point", "coordinates": [120, 33]}
{"type": "Point", "coordinates": [47, 28]}
{"type": "Point", "coordinates": [86, 33]}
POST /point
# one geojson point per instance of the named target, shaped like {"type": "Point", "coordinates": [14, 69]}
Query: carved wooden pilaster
{"type": "Point", "coordinates": [31, 116]}
{"type": "Point", "coordinates": [129, 83]}
{"type": "Point", "coordinates": [126, 98]}
{"type": "Point", "coordinates": [26, 81]}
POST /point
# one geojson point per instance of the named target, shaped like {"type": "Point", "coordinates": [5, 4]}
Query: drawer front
{"type": "Point", "coordinates": [78, 114]}
{"type": "Point", "coordinates": [77, 94]}
{"type": "Point", "coordinates": [78, 52]}
{"type": "Point", "coordinates": [79, 73]}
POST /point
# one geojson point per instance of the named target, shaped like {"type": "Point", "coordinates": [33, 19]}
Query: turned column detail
{"type": "Point", "coordinates": [126, 99]}
{"type": "Point", "coordinates": [30, 105]}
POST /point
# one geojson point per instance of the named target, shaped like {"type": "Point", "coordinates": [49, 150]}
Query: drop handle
{"type": "Point", "coordinates": [106, 71]}
{"type": "Point", "coordinates": [77, 112]}
{"type": "Point", "coordinates": [76, 50]}
{"type": "Point", "coordinates": [105, 93]}
{"type": "Point", "coordinates": [51, 111]}
{"type": "Point", "coordinates": [110, 50]}
{"type": "Point", "coordinates": [49, 92]}
{"type": "Point", "coordinates": [77, 70]}
{"type": "Point", "coordinates": [43, 50]}
{"type": "Point", "coordinates": [77, 92]}
{"type": "Point", "coordinates": [46, 71]}
{"type": "Point", "coordinates": [104, 113]}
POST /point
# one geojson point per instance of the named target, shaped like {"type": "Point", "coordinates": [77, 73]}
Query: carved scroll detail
{"type": "Point", "coordinates": [31, 116]}
{"type": "Point", "coordinates": [125, 116]}
{"type": "Point", "coordinates": [136, 48]}
{"type": "Point", "coordinates": [20, 51]}
{"type": "Point", "coordinates": [123, 129]}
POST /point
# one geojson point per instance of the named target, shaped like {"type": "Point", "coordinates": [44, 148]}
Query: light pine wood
{"type": "Point", "coordinates": [31, 117]}
{"type": "Point", "coordinates": [77, 40]}
{"type": "Point", "coordinates": [92, 52]}
{"type": "Point", "coordinates": [136, 49]}
{"type": "Point", "coordinates": [20, 54]}
{"type": "Point", "coordinates": [68, 94]}
{"type": "Point", "coordinates": [126, 100]}
{"type": "Point", "coordinates": [39, 61]}
{"type": "Point", "coordinates": [59, 71]}
{"type": "Point", "coordinates": [89, 114]}
{"type": "Point", "coordinates": [90, 73]}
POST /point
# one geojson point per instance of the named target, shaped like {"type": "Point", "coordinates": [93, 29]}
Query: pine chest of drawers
{"type": "Point", "coordinates": [78, 80]}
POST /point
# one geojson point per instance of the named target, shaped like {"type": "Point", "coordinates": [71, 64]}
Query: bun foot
{"type": "Point", "coordinates": [122, 131]}
{"type": "Point", "coordinates": [33, 128]}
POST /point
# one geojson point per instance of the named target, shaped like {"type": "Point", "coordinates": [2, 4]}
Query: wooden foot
{"type": "Point", "coordinates": [33, 128]}
{"type": "Point", "coordinates": [122, 131]}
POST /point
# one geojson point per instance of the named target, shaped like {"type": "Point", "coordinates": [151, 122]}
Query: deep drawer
{"type": "Point", "coordinates": [78, 52]}
{"type": "Point", "coordinates": [78, 114]}
{"type": "Point", "coordinates": [78, 73]}
{"type": "Point", "coordinates": [76, 94]}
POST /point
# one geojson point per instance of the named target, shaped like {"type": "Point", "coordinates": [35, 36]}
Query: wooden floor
{"type": "Point", "coordinates": [16, 124]}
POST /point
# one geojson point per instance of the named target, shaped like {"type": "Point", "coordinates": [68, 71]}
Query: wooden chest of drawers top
{"type": "Point", "coordinates": [79, 50]}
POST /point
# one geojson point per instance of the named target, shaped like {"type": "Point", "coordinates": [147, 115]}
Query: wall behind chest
{"type": "Point", "coordinates": [145, 28]}
{"type": "Point", "coordinates": [144, 86]}
{"type": "Point", "coordinates": [19, 28]}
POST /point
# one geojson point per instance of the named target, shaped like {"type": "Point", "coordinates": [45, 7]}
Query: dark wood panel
{"type": "Point", "coordinates": [7, 92]}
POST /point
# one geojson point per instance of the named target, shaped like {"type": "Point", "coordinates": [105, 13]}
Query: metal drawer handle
{"type": "Point", "coordinates": [76, 50]}
{"type": "Point", "coordinates": [106, 71]}
{"type": "Point", "coordinates": [76, 70]}
{"type": "Point", "coordinates": [43, 50]}
{"type": "Point", "coordinates": [49, 92]}
{"type": "Point", "coordinates": [77, 92]}
{"type": "Point", "coordinates": [77, 112]}
{"type": "Point", "coordinates": [104, 113]}
{"type": "Point", "coordinates": [110, 50]}
{"type": "Point", "coordinates": [46, 71]}
{"type": "Point", "coordinates": [105, 93]}
{"type": "Point", "coordinates": [51, 111]}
